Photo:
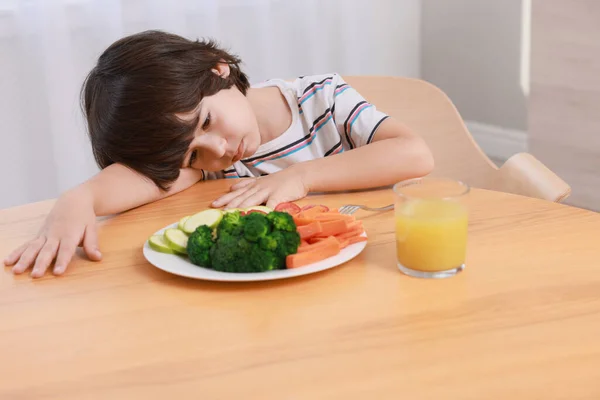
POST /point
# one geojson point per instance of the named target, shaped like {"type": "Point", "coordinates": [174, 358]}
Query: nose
{"type": "Point", "coordinates": [212, 143]}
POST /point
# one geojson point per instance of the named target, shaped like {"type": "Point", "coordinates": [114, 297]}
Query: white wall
{"type": "Point", "coordinates": [472, 49]}
{"type": "Point", "coordinates": [48, 46]}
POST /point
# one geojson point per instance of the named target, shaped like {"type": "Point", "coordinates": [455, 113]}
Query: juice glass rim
{"type": "Point", "coordinates": [465, 188]}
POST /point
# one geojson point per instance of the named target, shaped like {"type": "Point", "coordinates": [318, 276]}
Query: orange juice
{"type": "Point", "coordinates": [431, 234]}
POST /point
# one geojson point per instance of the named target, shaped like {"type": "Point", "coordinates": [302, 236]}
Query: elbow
{"type": "Point", "coordinates": [422, 159]}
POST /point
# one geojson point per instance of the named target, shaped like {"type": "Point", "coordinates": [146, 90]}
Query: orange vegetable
{"type": "Point", "coordinates": [302, 221]}
{"type": "Point", "coordinates": [356, 239]}
{"type": "Point", "coordinates": [303, 243]}
{"type": "Point", "coordinates": [328, 216]}
{"type": "Point", "coordinates": [350, 233]}
{"type": "Point", "coordinates": [354, 225]}
{"type": "Point", "coordinates": [317, 244]}
{"type": "Point", "coordinates": [311, 212]}
{"type": "Point", "coordinates": [332, 228]}
{"type": "Point", "coordinates": [310, 230]}
{"type": "Point", "coordinates": [329, 248]}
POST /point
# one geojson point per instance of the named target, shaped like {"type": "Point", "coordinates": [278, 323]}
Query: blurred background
{"type": "Point", "coordinates": [525, 75]}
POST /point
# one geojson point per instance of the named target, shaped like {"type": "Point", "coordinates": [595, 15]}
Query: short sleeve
{"type": "Point", "coordinates": [356, 119]}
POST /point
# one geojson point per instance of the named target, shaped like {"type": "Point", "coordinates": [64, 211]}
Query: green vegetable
{"type": "Point", "coordinates": [158, 243]}
{"type": "Point", "coordinates": [263, 209]}
{"type": "Point", "coordinates": [182, 222]}
{"type": "Point", "coordinates": [282, 221]}
{"type": "Point", "coordinates": [249, 243]}
{"type": "Point", "coordinates": [177, 240]}
{"type": "Point", "coordinates": [231, 223]}
{"type": "Point", "coordinates": [199, 246]}
{"type": "Point", "coordinates": [256, 226]}
{"type": "Point", "coordinates": [210, 218]}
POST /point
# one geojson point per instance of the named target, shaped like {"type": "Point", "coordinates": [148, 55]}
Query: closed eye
{"type": "Point", "coordinates": [193, 158]}
{"type": "Point", "coordinates": [206, 122]}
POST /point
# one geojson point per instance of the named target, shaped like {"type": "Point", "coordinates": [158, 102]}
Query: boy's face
{"type": "Point", "coordinates": [227, 131]}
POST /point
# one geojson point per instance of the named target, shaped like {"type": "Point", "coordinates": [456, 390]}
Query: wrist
{"type": "Point", "coordinates": [303, 172]}
{"type": "Point", "coordinates": [81, 195]}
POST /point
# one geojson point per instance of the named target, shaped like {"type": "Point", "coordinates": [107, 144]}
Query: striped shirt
{"type": "Point", "coordinates": [328, 117]}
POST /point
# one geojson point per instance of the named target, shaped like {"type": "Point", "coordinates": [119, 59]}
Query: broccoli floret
{"type": "Point", "coordinates": [230, 224]}
{"type": "Point", "coordinates": [227, 255]}
{"type": "Point", "coordinates": [254, 242]}
{"type": "Point", "coordinates": [199, 246]}
{"type": "Point", "coordinates": [287, 243]}
{"type": "Point", "coordinates": [282, 221]}
{"type": "Point", "coordinates": [256, 226]}
{"type": "Point", "coordinates": [268, 243]}
{"type": "Point", "coordinates": [260, 260]}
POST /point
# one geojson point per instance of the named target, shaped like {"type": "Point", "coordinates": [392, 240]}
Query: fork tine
{"type": "Point", "coordinates": [343, 209]}
{"type": "Point", "coordinates": [349, 209]}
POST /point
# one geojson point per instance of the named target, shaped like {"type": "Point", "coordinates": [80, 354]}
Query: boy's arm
{"type": "Point", "coordinates": [395, 154]}
{"type": "Point", "coordinates": [72, 220]}
{"type": "Point", "coordinates": [117, 188]}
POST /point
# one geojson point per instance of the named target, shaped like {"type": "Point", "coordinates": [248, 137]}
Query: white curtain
{"type": "Point", "coordinates": [48, 46]}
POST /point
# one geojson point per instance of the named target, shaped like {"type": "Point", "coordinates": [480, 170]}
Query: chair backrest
{"type": "Point", "coordinates": [426, 110]}
{"type": "Point", "coordinates": [429, 112]}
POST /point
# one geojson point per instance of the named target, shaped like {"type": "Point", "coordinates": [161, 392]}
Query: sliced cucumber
{"type": "Point", "coordinates": [176, 240]}
{"type": "Point", "coordinates": [211, 218]}
{"type": "Point", "coordinates": [182, 222]}
{"type": "Point", "coordinates": [264, 209]}
{"type": "Point", "coordinates": [158, 243]}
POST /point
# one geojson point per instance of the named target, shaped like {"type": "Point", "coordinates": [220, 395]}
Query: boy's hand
{"type": "Point", "coordinates": [272, 189]}
{"type": "Point", "coordinates": [71, 222]}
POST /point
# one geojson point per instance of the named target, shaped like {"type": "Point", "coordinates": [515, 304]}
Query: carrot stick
{"type": "Point", "coordinates": [328, 216]}
{"type": "Point", "coordinates": [317, 244]}
{"type": "Point", "coordinates": [356, 239]}
{"type": "Point", "coordinates": [311, 212]}
{"type": "Point", "coordinates": [316, 239]}
{"type": "Point", "coordinates": [302, 221]}
{"type": "Point", "coordinates": [354, 225]}
{"type": "Point", "coordinates": [351, 233]}
{"type": "Point", "coordinates": [331, 248]}
{"type": "Point", "coordinates": [331, 228]}
{"type": "Point", "coordinates": [310, 230]}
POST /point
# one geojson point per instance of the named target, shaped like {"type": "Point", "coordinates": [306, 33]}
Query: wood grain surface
{"type": "Point", "coordinates": [521, 322]}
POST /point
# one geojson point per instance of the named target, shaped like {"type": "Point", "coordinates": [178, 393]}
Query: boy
{"type": "Point", "coordinates": [164, 112]}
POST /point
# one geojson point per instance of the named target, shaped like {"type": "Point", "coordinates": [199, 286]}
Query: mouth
{"type": "Point", "coordinates": [240, 152]}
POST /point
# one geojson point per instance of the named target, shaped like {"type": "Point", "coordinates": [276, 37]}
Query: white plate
{"type": "Point", "coordinates": [180, 265]}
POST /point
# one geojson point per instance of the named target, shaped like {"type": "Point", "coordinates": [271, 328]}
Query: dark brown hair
{"type": "Point", "coordinates": [131, 96]}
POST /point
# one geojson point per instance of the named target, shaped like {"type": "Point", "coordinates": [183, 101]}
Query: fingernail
{"type": "Point", "coordinates": [97, 253]}
{"type": "Point", "coordinates": [59, 269]}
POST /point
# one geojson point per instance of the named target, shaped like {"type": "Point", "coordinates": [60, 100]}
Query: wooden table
{"type": "Point", "coordinates": [522, 321]}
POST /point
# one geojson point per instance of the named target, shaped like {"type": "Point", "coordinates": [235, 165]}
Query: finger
{"type": "Point", "coordinates": [241, 184]}
{"type": "Point", "coordinates": [29, 255]}
{"type": "Point", "coordinates": [12, 258]}
{"type": "Point", "coordinates": [256, 199]}
{"type": "Point", "coordinates": [272, 202]}
{"type": "Point", "coordinates": [226, 199]}
{"type": "Point", "coordinates": [236, 203]}
{"type": "Point", "coordinates": [44, 258]}
{"type": "Point", "coordinates": [65, 254]}
{"type": "Point", "coordinates": [90, 243]}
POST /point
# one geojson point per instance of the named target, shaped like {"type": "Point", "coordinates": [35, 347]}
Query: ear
{"type": "Point", "coordinates": [221, 69]}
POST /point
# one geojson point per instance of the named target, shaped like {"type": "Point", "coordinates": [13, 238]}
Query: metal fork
{"type": "Point", "coordinates": [352, 208]}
